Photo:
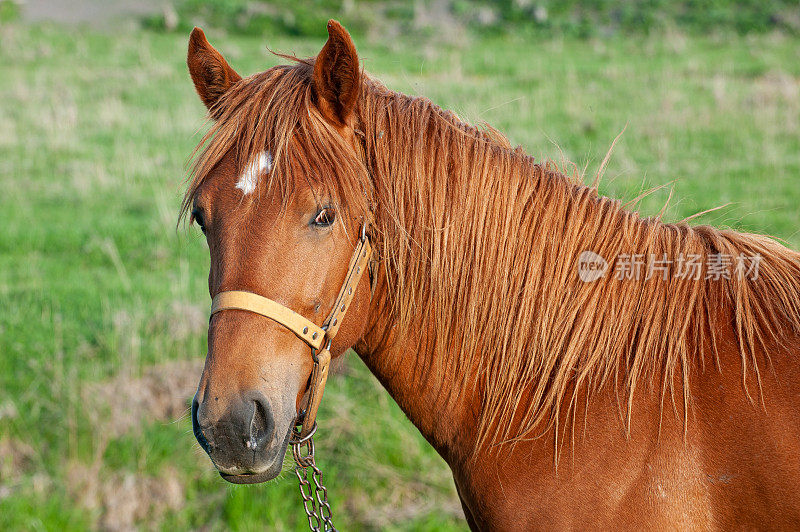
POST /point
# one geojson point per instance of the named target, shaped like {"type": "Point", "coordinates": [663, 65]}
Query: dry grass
{"type": "Point", "coordinates": [120, 501]}
{"type": "Point", "coordinates": [161, 394]}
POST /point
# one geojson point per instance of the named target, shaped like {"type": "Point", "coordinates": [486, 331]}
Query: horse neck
{"type": "Point", "coordinates": [444, 415]}
{"type": "Point", "coordinates": [478, 302]}
{"type": "Point", "coordinates": [457, 230]}
{"type": "Point", "coordinates": [447, 188]}
{"type": "Point", "coordinates": [405, 348]}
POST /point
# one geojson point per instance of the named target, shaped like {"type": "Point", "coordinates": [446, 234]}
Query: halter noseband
{"type": "Point", "coordinates": [316, 337]}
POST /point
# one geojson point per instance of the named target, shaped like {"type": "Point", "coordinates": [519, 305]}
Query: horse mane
{"type": "Point", "coordinates": [481, 244]}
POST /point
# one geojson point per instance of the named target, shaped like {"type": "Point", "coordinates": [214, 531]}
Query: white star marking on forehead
{"type": "Point", "coordinates": [261, 164]}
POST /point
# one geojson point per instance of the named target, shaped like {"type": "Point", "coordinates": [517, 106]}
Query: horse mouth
{"type": "Point", "coordinates": [263, 476]}
{"type": "Point", "coordinates": [253, 478]}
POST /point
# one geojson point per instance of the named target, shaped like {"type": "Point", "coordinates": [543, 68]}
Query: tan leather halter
{"type": "Point", "coordinates": [315, 336]}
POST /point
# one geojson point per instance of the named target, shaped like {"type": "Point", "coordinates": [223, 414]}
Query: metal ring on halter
{"type": "Point", "coordinates": [314, 351]}
{"type": "Point", "coordinates": [363, 232]}
{"type": "Point", "coordinates": [298, 441]}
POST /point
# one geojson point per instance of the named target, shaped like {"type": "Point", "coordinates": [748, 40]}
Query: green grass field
{"type": "Point", "coordinates": [104, 301]}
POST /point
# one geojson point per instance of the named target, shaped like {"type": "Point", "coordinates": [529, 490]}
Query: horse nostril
{"type": "Point", "coordinates": [261, 425]}
{"type": "Point", "coordinates": [197, 429]}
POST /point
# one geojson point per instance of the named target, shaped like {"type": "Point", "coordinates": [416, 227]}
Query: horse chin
{"type": "Point", "coordinates": [262, 476]}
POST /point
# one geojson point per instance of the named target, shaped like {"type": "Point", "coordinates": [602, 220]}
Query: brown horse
{"type": "Point", "coordinates": [504, 311]}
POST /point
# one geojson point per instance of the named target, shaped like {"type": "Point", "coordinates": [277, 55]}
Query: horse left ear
{"type": "Point", "coordinates": [211, 74]}
{"type": "Point", "coordinates": [337, 76]}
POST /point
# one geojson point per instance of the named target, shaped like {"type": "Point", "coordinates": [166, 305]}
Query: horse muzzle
{"type": "Point", "coordinates": [242, 443]}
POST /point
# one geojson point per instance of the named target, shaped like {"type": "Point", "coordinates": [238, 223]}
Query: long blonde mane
{"type": "Point", "coordinates": [480, 245]}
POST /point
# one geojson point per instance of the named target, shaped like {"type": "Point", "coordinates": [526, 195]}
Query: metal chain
{"type": "Point", "coordinates": [315, 499]}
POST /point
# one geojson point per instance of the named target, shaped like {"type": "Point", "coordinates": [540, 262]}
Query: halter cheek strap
{"type": "Point", "coordinates": [318, 338]}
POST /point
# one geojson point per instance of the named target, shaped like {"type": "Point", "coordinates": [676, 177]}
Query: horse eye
{"type": "Point", "coordinates": [324, 217]}
{"type": "Point", "coordinates": [197, 216]}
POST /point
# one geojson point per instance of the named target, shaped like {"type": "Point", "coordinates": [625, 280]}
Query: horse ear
{"type": "Point", "coordinates": [337, 76]}
{"type": "Point", "coordinates": [211, 74]}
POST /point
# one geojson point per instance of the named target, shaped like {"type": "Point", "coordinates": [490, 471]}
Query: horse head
{"type": "Point", "coordinates": [264, 194]}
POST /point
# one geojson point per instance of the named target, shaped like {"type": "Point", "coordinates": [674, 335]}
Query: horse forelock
{"type": "Point", "coordinates": [271, 113]}
{"type": "Point", "coordinates": [479, 245]}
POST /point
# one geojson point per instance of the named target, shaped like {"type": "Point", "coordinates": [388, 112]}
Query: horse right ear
{"type": "Point", "coordinates": [211, 74]}
{"type": "Point", "coordinates": [337, 76]}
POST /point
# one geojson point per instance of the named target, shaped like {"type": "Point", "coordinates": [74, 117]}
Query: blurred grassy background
{"type": "Point", "coordinates": [102, 327]}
